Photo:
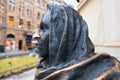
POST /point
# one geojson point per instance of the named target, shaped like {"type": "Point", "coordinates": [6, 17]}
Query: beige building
{"type": "Point", "coordinates": [2, 22]}
{"type": "Point", "coordinates": [2, 11]}
{"type": "Point", "coordinates": [18, 20]}
{"type": "Point", "coordinates": [103, 19]}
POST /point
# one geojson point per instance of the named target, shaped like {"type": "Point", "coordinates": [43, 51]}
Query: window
{"type": "Point", "coordinates": [11, 4]}
{"type": "Point", "coordinates": [38, 15]}
{"type": "Point", "coordinates": [21, 8]}
{"type": "Point", "coordinates": [29, 24]}
{"type": "Point", "coordinates": [28, 40]}
{"type": "Point", "coordinates": [38, 3]}
{"type": "Point", "coordinates": [20, 23]}
{"type": "Point", "coordinates": [2, 18]}
{"type": "Point", "coordinates": [11, 21]}
{"type": "Point", "coordinates": [29, 12]}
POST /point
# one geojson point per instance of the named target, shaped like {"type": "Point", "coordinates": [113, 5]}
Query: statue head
{"type": "Point", "coordinates": [63, 35]}
{"type": "Point", "coordinates": [67, 51]}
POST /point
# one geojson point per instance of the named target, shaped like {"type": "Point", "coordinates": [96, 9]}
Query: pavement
{"type": "Point", "coordinates": [27, 75]}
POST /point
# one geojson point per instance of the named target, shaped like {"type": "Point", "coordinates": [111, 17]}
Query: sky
{"type": "Point", "coordinates": [72, 2]}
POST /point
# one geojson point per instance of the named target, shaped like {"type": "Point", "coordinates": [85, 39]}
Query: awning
{"type": "Point", "coordinates": [28, 34]}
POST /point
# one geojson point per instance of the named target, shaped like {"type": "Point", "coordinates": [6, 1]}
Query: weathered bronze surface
{"type": "Point", "coordinates": [67, 51]}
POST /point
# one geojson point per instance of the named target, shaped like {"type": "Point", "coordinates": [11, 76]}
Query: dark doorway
{"type": "Point", "coordinates": [20, 45]}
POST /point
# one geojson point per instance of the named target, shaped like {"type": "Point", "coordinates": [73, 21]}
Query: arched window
{"type": "Point", "coordinates": [10, 36]}
{"type": "Point", "coordinates": [10, 42]}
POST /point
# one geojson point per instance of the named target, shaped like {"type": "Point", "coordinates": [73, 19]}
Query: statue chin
{"type": "Point", "coordinates": [67, 51]}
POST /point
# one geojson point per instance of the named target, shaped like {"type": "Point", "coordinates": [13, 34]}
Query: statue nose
{"type": "Point", "coordinates": [36, 35]}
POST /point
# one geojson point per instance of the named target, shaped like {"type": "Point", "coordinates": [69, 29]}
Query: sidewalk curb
{"type": "Point", "coordinates": [13, 54]}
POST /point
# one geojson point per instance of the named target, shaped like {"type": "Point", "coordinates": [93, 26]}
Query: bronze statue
{"type": "Point", "coordinates": [67, 51]}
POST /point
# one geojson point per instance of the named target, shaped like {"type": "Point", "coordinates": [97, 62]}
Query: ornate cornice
{"type": "Point", "coordinates": [14, 28]}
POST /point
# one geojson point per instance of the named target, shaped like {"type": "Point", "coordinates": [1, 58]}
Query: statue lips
{"type": "Point", "coordinates": [42, 52]}
{"type": "Point", "coordinates": [40, 47]}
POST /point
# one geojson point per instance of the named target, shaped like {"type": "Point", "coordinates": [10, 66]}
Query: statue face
{"type": "Point", "coordinates": [63, 33]}
{"type": "Point", "coordinates": [44, 35]}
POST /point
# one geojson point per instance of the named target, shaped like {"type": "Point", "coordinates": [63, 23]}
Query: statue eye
{"type": "Point", "coordinates": [41, 27]}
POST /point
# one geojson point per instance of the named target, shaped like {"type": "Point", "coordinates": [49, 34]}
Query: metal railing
{"type": "Point", "coordinates": [13, 54]}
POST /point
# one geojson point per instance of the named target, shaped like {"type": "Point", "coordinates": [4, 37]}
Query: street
{"type": "Point", "coordinates": [27, 75]}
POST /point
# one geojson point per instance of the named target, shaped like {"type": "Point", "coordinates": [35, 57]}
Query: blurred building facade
{"type": "Point", "coordinates": [2, 20]}
{"type": "Point", "coordinates": [58, 1]}
{"type": "Point", "coordinates": [103, 19]}
{"type": "Point", "coordinates": [18, 20]}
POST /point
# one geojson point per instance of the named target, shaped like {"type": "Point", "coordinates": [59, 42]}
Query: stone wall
{"type": "Point", "coordinates": [103, 19]}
